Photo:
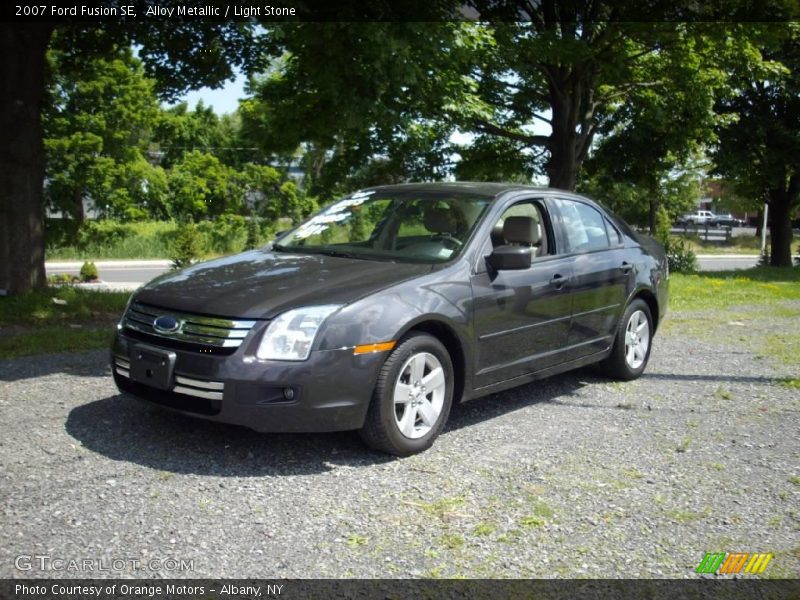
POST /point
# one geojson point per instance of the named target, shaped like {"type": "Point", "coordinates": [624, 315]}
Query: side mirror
{"type": "Point", "coordinates": [509, 257]}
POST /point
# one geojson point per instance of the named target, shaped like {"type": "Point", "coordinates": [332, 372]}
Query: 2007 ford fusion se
{"type": "Point", "coordinates": [384, 308]}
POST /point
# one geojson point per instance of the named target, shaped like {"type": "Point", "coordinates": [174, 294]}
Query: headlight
{"type": "Point", "coordinates": [291, 335]}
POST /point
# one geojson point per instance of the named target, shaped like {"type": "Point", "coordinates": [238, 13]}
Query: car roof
{"type": "Point", "coordinates": [464, 187]}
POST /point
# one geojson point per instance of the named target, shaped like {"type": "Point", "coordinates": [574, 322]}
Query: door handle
{"type": "Point", "coordinates": [625, 267]}
{"type": "Point", "coordinates": [558, 281]}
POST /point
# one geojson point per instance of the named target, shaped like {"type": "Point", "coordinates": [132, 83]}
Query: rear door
{"type": "Point", "coordinates": [600, 274]}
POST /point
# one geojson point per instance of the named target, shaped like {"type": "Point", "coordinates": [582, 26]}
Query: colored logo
{"type": "Point", "coordinates": [730, 563]}
{"type": "Point", "coordinates": [166, 324]}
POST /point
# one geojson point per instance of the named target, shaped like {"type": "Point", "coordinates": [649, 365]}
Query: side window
{"type": "Point", "coordinates": [503, 234]}
{"type": "Point", "coordinates": [613, 233]}
{"type": "Point", "coordinates": [583, 226]}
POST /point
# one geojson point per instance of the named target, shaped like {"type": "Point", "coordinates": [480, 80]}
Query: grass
{"type": "Point", "coordinates": [687, 516]}
{"type": "Point", "coordinates": [58, 320]}
{"type": "Point", "coordinates": [484, 529]}
{"type": "Point", "coordinates": [355, 540]}
{"type": "Point", "coordinates": [684, 445]}
{"type": "Point", "coordinates": [747, 244]}
{"type": "Point", "coordinates": [147, 239]}
{"type": "Point", "coordinates": [532, 521]}
{"type": "Point", "coordinates": [793, 383]}
{"type": "Point", "coordinates": [71, 305]}
{"type": "Point", "coordinates": [109, 239]}
{"type": "Point", "coordinates": [723, 393]}
{"type": "Point", "coordinates": [725, 304]}
{"type": "Point", "coordinates": [51, 340]}
{"type": "Point", "coordinates": [725, 289]}
{"type": "Point", "coordinates": [784, 347]}
{"type": "Point", "coordinates": [452, 541]}
{"type": "Point", "coordinates": [444, 508]}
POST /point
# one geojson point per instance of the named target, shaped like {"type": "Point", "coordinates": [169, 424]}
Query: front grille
{"type": "Point", "coordinates": [190, 386]}
{"type": "Point", "coordinates": [193, 332]}
{"type": "Point", "coordinates": [190, 404]}
{"type": "Point", "coordinates": [184, 395]}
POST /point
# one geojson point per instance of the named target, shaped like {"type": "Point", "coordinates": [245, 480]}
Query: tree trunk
{"type": "Point", "coordinates": [562, 166]}
{"type": "Point", "coordinates": [22, 80]}
{"type": "Point", "coordinates": [759, 222]}
{"type": "Point", "coordinates": [780, 208]}
{"type": "Point", "coordinates": [78, 213]}
{"type": "Point", "coordinates": [652, 214]}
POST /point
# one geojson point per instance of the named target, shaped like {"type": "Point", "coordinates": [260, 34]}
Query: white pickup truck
{"type": "Point", "coordinates": [698, 217]}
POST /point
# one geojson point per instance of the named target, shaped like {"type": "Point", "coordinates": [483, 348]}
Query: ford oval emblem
{"type": "Point", "coordinates": [166, 324]}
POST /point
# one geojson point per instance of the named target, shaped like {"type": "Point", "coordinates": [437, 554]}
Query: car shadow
{"type": "Point", "coordinates": [127, 430]}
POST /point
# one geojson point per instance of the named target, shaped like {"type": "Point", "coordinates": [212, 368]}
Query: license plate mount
{"type": "Point", "coordinates": [152, 366]}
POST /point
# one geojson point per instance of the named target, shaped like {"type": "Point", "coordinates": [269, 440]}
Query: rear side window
{"type": "Point", "coordinates": [613, 233]}
{"type": "Point", "coordinates": [583, 226]}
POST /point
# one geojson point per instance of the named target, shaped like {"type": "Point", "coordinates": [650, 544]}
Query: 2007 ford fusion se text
{"type": "Point", "coordinates": [384, 308]}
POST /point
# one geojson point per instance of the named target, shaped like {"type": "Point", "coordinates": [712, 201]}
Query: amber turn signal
{"type": "Point", "coordinates": [367, 348]}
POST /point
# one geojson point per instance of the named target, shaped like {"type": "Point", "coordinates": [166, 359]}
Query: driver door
{"type": "Point", "coordinates": [521, 317]}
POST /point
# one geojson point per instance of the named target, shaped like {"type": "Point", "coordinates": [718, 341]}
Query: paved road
{"type": "Point", "coordinates": [131, 274]}
{"type": "Point", "coordinates": [117, 274]}
{"type": "Point", "coordinates": [726, 262]}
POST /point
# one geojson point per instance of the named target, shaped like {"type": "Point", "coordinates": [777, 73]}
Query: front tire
{"type": "Point", "coordinates": [632, 343]}
{"type": "Point", "coordinates": [412, 398]}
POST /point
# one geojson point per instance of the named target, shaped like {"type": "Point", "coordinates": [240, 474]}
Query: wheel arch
{"type": "Point", "coordinates": [452, 342]}
{"type": "Point", "coordinates": [649, 298]}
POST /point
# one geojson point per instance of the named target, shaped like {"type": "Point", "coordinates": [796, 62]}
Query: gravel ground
{"type": "Point", "coordinates": [568, 477]}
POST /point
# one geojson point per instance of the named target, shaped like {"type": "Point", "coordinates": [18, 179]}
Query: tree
{"type": "Point", "coordinates": [179, 55]}
{"type": "Point", "coordinates": [673, 193]}
{"type": "Point", "coordinates": [566, 69]}
{"type": "Point", "coordinates": [759, 145]}
{"type": "Point", "coordinates": [369, 111]}
{"type": "Point", "coordinates": [97, 126]}
{"type": "Point", "coordinates": [201, 186]}
{"type": "Point", "coordinates": [654, 139]}
{"type": "Point", "coordinates": [179, 130]}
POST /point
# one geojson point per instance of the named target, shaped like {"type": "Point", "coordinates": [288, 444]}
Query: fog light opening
{"type": "Point", "coordinates": [288, 393]}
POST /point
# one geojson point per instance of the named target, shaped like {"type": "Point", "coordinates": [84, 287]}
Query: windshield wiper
{"type": "Point", "coordinates": [340, 254]}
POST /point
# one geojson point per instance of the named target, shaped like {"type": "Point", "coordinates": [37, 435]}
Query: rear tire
{"type": "Point", "coordinates": [632, 343]}
{"type": "Point", "coordinates": [412, 398]}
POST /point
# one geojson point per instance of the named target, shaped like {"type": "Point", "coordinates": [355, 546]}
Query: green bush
{"type": "Point", "coordinates": [185, 248]}
{"type": "Point", "coordinates": [59, 233]}
{"type": "Point", "coordinates": [102, 233]}
{"type": "Point", "coordinates": [680, 257]}
{"type": "Point", "coordinates": [62, 279]}
{"type": "Point", "coordinates": [226, 234]}
{"type": "Point", "coordinates": [111, 239]}
{"type": "Point", "coordinates": [146, 239]}
{"type": "Point", "coordinates": [663, 225]}
{"type": "Point", "coordinates": [89, 272]}
{"type": "Point", "coordinates": [253, 233]}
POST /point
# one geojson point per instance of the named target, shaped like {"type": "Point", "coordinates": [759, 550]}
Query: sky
{"type": "Point", "coordinates": [224, 100]}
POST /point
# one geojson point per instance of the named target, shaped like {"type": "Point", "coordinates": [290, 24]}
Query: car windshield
{"type": "Point", "coordinates": [404, 226]}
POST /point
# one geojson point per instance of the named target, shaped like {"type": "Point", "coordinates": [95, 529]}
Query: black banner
{"type": "Point", "coordinates": [385, 589]}
{"type": "Point", "coordinates": [276, 11]}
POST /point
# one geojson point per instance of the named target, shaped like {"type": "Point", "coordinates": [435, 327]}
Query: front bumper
{"type": "Point", "coordinates": [330, 391]}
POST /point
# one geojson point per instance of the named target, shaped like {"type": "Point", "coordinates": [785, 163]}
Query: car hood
{"type": "Point", "coordinates": [260, 284]}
